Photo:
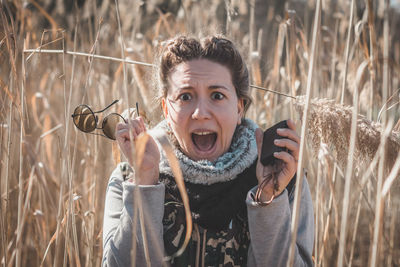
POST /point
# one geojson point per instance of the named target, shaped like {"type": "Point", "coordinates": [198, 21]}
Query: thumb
{"type": "Point", "coordinates": [259, 141]}
{"type": "Point", "coordinates": [142, 125]}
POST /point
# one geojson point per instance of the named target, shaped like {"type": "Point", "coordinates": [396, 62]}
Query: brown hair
{"type": "Point", "coordinates": [214, 48]}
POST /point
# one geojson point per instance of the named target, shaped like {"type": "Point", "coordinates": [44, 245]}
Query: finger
{"type": "Point", "coordinates": [135, 123]}
{"type": "Point", "coordinates": [124, 135]}
{"type": "Point", "coordinates": [130, 124]}
{"type": "Point", "coordinates": [142, 125]}
{"type": "Point", "coordinates": [289, 144]}
{"type": "Point", "coordinates": [135, 127]}
{"type": "Point", "coordinates": [287, 158]}
{"type": "Point", "coordinates": [120, 130]}
{"type": "Point", "coordinates": [291, 124]}
{"type": "Point", "coordinates": [120, 125]}
{"type": "Point", "coordinates": [128, 113]}
{"type": "Point", "coordinates": [289, 133]}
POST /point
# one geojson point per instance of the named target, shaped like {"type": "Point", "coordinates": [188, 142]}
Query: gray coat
{"type": "Point", "coordinates": [268, 226]}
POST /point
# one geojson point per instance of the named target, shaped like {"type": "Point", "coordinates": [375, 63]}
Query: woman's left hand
{"type": "Point", "coordinates": [289, 159]}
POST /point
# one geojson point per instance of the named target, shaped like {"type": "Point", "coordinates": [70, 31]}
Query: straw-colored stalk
{"type": "Point", "coordinates": [93, 197]}
{"type": "Point", "coordinates": [392, 176]}
{"type": "Point", "coordinates": [2, 222]}
{"type": "Point", "coordinates": [10, 41]}
{"type": "Point", "coordinates": [392, 235]}
{"type": "Point", "coordinates": [334, 59]}
{"type": "Point", "coordinates": [349, 172]}
{"type": "Point", "coordinates": [317, 208]}
{"type": "Point", "coordinates": [291, 54]}
{"type": "Point", "coordinates": [371, 57]}
{"type": "Point", "coordinates": [69, 176]}
{"type": "Point", "coordinates": [347, 51]}
{"type": "Point", "coordinates": [64, 159]}
{"type": "Point", "coordinates": [71, 209]}
{"type": "Point", "coordinates": [91, 58]}
{"type": "Point", "coordinates": [177, 172]}
{"type": "Point", "coordinates": [90, 230]}
{"type": "Point", "coordinates": [140, 148]}
{"type": "Point", "coordinates": [59, 218]}
{"type": "Point", "coordinates": [20, 176]}
{"type": "Point", "coordinates": [229, 11]}
{"type": "Point", "coordinates": [326, 161]}
{"type": "Point", "coordinates": [24, 211]}
{"type": "Point", "coordinates": [353, 240]}
{"type": "Point", "coordinates": [90, 55]}
{"type": "Point", "coordinates": [381, 172]}
{"type": "Point", "coordinates": [136, 195]}
{"type": "Point", "coordinates": [252, 30]}
{"type": "Point", "coordinates": [147, 95]}
{"type": "Point", "coordinates": [7, 165]}
{"type": "Point", "coordinates": [252, 27]}
{"type": "Point", "coordinates": [304, 126]}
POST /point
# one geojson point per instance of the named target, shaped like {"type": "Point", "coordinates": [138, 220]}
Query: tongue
{"type": "Point", "coordinates": [204, 142]}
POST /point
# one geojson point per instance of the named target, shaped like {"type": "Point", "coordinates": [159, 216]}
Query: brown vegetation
{"type": "Point", "coordinates": [53, 177]}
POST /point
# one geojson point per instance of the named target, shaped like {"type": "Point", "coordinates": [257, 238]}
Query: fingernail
{"type": "Point", "coordinates": [276, 153]}
{"type": "Point", "coordinates": [276, 141]}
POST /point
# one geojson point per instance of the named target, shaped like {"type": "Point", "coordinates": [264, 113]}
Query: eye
{"type": "Point", "coordinates": [217, 96]}
{"type": "Point", "coordinates": [185, 97]}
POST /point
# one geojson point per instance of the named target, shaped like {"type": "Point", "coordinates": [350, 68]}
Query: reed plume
{"type": "Point", "coordinates": [330, 123]}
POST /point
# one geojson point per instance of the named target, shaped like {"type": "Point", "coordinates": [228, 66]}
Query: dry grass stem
{"type": "Point", "coordinates": [55, 51]}
{"type": "Point", "coordinates": [304, 126]}
{"type": "Point", "coordinates": [350, 27]}
{"type": "Point", "coordinates": [173, 161]}
{"type": "Point", "coordinates": [348, 177]}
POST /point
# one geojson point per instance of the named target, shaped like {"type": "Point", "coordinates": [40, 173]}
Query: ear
{"type": "Point", "coordinates": [240, 110]}
{"type": "Point", "coordinates": [164, 107]}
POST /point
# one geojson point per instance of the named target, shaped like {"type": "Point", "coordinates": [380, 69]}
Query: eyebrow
{"type": "Point", "coordinates": [217, 87]}
{"type": "Point", "coordinates": [211, 87]}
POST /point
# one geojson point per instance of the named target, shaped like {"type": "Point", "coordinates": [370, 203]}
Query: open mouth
{"type": "Point", "coordinates": [204, 141]}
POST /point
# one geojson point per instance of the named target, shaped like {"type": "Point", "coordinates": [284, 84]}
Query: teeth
{"type": "Point", "coordinates": [203, 133]}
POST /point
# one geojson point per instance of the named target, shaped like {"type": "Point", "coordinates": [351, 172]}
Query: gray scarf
{"type": "Point", "coordinates": [241, 154]}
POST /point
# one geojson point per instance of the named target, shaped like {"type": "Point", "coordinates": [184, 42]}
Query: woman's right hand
{"type": "Point", "coordinates": [147, 170]}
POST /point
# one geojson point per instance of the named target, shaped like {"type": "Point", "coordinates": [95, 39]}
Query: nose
{"type": "Point", "coordinates": [201, 111]}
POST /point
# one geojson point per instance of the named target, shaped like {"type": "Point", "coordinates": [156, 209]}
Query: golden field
{"type": "Point", "coordinates": [338, 60]}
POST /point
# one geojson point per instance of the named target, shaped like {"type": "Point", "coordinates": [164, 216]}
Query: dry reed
{"type": "Point", "coordinates": [304, 126]}
{"type": "Point", "coordinates": [330, 124]}
{"type": "Point", "coordinates": [53, 178]}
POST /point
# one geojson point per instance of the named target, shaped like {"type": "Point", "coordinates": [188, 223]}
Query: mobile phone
{"type": "Point", "coordinates": [268, 147]}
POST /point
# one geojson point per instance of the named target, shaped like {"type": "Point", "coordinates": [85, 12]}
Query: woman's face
{"type": "Point", "coordinates": [202, 108]}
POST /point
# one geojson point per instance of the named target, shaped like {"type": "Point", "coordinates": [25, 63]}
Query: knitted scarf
{"type": "Point", "coordinates": [240, 155]}
{"type": "Point", "coordinates": [217, 190]}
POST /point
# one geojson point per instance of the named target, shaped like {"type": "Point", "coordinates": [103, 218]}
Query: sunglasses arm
{"type": "Point", "coordinates": [115, 101]}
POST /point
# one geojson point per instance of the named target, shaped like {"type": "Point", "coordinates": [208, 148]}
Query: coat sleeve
{"type": "Point", "coordinates": [119, 217]}
{"type": "Point", "coordinates": [270, 230]}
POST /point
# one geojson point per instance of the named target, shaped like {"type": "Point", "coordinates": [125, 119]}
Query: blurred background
{"type": "Point", "coordinates": [54, 178]}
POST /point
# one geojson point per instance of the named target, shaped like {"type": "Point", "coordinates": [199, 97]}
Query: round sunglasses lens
{"type": "Point", "coordinates": [84, 119]}
{"type": "Point", "coordinates": [110, 123]}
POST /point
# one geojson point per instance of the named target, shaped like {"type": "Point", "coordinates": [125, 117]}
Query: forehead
{"type": "Point", "coordinates": [201, 71]}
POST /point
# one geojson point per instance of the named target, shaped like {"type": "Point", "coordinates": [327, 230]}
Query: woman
{"type": "Point", "coordinates": [204, 91]}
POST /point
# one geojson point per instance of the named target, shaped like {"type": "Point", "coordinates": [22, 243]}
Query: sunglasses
{"type": "Point", "coordinates": [85, 120]}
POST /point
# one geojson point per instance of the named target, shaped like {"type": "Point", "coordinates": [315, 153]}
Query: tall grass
{"type": "Point", "coordinates": [53, 177]}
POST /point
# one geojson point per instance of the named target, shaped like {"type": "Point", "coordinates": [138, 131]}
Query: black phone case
{"type": "Point", "coordinates": [268, 146]}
